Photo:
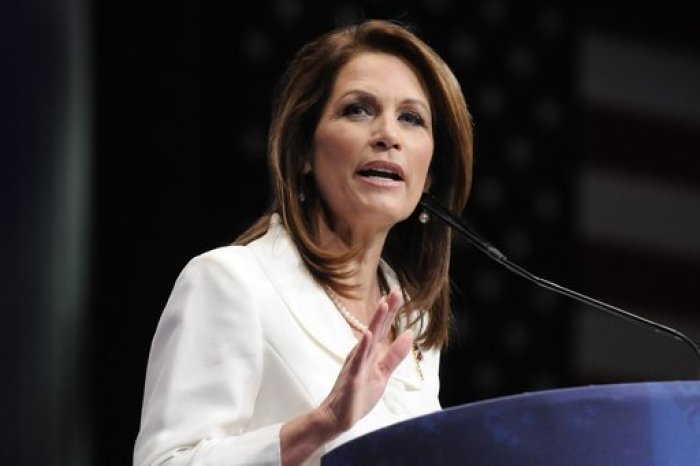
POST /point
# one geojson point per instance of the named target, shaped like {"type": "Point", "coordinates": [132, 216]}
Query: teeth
{"type": "Point", "coordinates": [379, 172]}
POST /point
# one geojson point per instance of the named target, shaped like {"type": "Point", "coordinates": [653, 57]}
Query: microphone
{"type": "Point", "coordinates": [433, 205]}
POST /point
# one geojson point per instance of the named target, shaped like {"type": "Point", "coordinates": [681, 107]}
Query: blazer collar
{"type": "Point", "coordinates": [309, 303]}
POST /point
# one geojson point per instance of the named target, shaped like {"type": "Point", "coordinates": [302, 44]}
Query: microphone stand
{"type": "Point", "coordinates": [433, 205]}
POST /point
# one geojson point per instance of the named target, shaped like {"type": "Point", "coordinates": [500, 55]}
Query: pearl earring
{"type": "Point", "coordinates": [424, 217]}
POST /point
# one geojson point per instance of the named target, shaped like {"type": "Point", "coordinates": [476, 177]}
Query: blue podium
{"type": "Point", "coordinates": [635, 424]}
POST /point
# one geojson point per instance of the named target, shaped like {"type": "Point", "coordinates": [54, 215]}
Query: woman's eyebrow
{"type": "Point", "coordinates": [369, 96]}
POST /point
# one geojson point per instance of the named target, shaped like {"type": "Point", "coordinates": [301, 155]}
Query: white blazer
{"type": "Point", "coordinates": [247, 341]}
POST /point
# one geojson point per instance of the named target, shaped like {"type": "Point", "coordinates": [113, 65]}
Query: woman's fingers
{"type": "Point", "coordinates": [385, 314]}
{"type": "Point", "coordinates": [363, 378]}
{"type": "Point", "coordinates": [396, 353]}
{"type": "Point", "coordinates": [359, 354]}
{"type": "Point", "coordinates": [376, 325]}
{"type": "Point", "coordinates": [394, 299]}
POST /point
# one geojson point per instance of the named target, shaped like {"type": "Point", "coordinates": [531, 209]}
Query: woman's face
{"type": "Point", "coordinates": [373, 143]}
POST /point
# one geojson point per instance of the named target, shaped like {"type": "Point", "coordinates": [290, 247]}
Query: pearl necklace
{"type": "Point", "coordinates": [361, 327]}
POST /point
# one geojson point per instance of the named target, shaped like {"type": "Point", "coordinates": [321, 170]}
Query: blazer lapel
{"type": "Point", "coordinates": [310, 305]}
{"type": "Point", "coordinates": [304, 298]}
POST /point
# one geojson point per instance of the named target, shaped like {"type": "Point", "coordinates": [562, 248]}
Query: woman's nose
{"type": "Point", "coordinates": [386, 134]}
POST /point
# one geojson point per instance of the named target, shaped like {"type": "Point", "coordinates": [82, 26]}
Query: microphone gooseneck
{"type": "Point", "coordinates": [433, 205]}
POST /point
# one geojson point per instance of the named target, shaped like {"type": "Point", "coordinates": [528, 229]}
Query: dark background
{"type": "Point", "coordinates": [134, 136]}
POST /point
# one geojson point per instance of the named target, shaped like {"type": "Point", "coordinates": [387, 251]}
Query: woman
{"type": "Point", "coordinates": [325, 320]}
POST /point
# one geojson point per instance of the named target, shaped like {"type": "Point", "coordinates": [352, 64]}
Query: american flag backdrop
{"type": "Point", "coordinates": [639, 187]}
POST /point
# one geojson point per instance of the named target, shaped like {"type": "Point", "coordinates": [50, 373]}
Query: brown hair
{"type": "Point", "coordinates": [418, 253]}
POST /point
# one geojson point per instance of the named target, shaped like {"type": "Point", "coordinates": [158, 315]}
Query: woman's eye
{"type": "Point", "coordinates": [412, 118]}
{"type": "Point", "coordinates": [356, 110]}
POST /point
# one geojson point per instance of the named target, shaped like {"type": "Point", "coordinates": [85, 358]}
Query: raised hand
{"type": "Point", "coordinates": [357, 389]}
{"type": "Point", "coordinates": [367, 368]}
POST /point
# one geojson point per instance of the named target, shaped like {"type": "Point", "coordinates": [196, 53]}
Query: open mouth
{"type": "Point", "coordinates": [380, 173]}
{"type": "Point", "coordinates": [381, 170]}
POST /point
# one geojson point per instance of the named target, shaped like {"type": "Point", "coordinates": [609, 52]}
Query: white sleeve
{"type": "Point", "coordinates": [204, 371]}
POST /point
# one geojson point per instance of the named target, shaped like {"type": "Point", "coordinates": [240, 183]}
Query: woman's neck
{"type": "Point", "coordinates": [365, 265]}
